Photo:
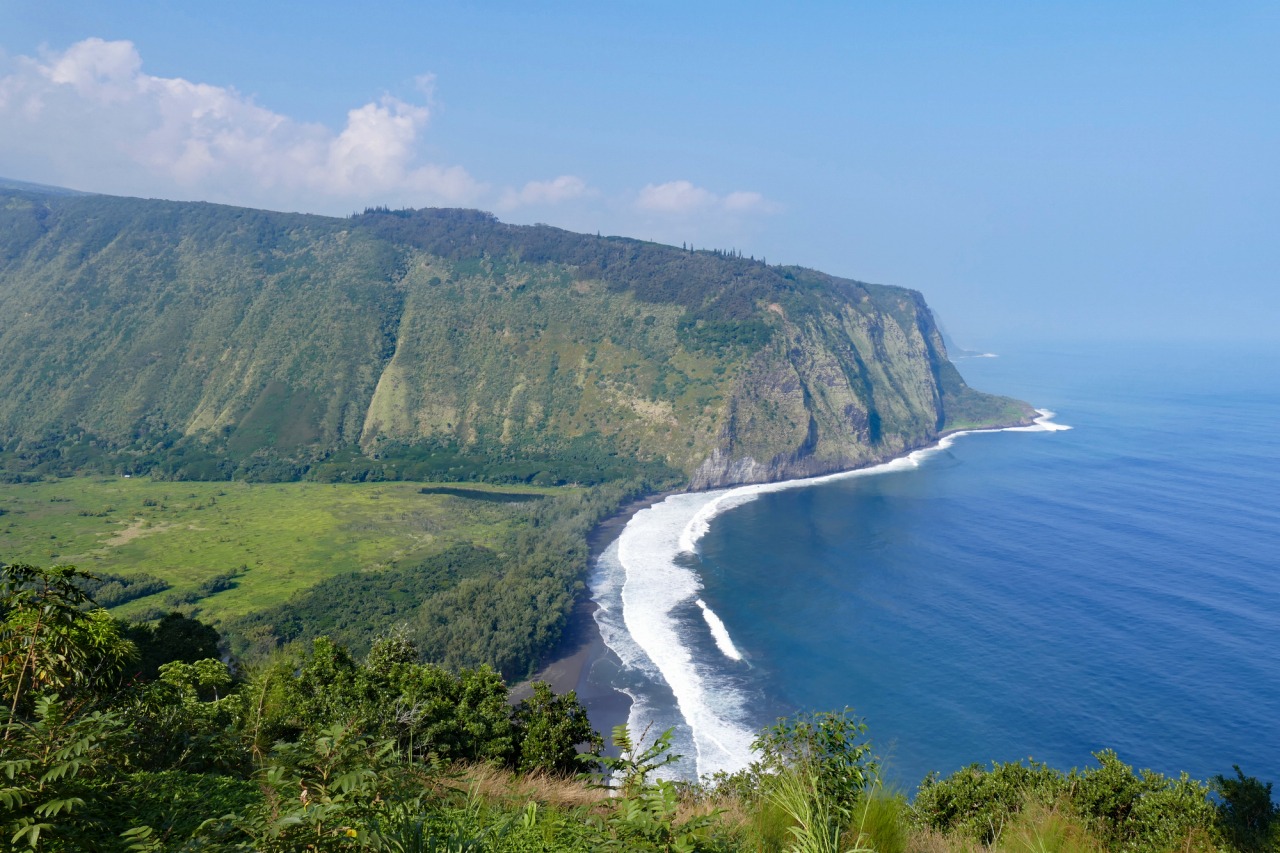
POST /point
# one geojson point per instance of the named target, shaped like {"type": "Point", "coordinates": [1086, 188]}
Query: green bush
{"type": "Point", "coordinates": [1247, 817]}
{"type": "Point", "coordinates": [979, 803]}
{"type": "Point", "coordinates": [1140, 811]}
{"type": "Point", "coordinates": [1127, 811]}
{"type": "Point", "coordinates": [110, 590]}
{"type": "Point", "coordinates": [829, 746]}
{"type": "Point", "coordinates": [550, 729]}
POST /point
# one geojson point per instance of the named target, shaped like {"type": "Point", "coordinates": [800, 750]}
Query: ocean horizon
{"type": "Point", "coordinates": [1106, 580]}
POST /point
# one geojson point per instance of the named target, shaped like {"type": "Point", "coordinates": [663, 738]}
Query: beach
{"type": "Point", "coordinates": [583, 650]}
{"type": "Point", "coordinates": [657, 655]}
{"type": "Point", "coordinates": [582, 647]}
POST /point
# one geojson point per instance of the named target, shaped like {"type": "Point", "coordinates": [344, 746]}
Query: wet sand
{"type": "Point", "coordinates": [582, 646]}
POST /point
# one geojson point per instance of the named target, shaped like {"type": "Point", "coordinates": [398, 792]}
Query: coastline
{"type": "Point", "coordinates": [582, 646]}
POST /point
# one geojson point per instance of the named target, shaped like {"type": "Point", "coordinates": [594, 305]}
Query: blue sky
{"type": "Point", "coordinates": [1070, 170]}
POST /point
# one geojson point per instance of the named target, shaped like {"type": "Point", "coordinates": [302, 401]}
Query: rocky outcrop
{"type": "Point", "coordinates": [845, 389]}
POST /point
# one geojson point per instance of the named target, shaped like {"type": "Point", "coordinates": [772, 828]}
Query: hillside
{"type": "Point", "coordinates": [197, 341]}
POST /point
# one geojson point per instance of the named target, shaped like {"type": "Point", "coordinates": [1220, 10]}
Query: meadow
{"type": "Point", "coordinates": [274, 540]}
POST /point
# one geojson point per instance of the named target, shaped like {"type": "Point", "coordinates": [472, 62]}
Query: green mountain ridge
{"type": "Point", "coordinates": [41, 189]}
{"type": "Point", "coordinates": [200, 341]}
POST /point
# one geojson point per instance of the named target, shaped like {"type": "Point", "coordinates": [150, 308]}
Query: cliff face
{"type": "Point", "coordinates": [157, 332]}
{"type": "Point", "coordinates": [861, 381]}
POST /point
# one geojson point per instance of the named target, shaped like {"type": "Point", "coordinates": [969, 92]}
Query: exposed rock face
{"type": "Point", "coordinates": [845, 389]}
{"type": "Point", "coordinates": [270, 343]}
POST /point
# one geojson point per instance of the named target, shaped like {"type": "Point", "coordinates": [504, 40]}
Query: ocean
{"type": "Point", "coordinates": [1110, 580]}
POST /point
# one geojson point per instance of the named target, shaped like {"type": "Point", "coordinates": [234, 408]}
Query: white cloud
{"type": "Point", "coordinates": [103, 71]}
{"type": "Point", "coordinates": [748, 202]}
{"type": "Point", "coordinates": [674, 197]}
{"type": "Point", "coordinates": [555, 191]}
{"type": "Point", "coordinates": [683, 197]}
{"type": "Point", "coordinates": [91, 116]}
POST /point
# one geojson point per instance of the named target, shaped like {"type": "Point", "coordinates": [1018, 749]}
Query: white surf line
{"type": "Point", "coordinates": [721, 634]}
{"type": "Point", "coordinates": [1044, 423]}
{"type": "Point", "coordinates": [735, 497]}
{"type": "Point", "coordinates": [655, 585]}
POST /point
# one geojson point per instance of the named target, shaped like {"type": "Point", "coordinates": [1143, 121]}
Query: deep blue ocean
{"type": "Point", "coordinates": [1014, 594]}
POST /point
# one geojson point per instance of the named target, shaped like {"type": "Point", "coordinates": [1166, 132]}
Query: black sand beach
{"type": "Point", "coordinates": [582, 646]}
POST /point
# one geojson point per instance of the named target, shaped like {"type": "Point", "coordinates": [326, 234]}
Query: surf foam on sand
{"type": "Point", "coordinates": [650, 575]}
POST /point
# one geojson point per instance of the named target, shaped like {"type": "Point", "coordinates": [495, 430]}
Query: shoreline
{"type": "Point", "coordinates": [582, 647]}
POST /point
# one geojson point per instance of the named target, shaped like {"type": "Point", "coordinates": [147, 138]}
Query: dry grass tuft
{"type": "Point", "coordinates": [1038, 829]}
{"type": "Point", "coordinates": [503, 786]}
{"type": "Point", "coordinates": [932, 841]}
{"type": "Point", "coordinates": [1041, 829]}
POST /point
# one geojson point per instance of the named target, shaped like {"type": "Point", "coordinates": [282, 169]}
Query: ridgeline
{"type": "Point", "coordinates": [202, 342]}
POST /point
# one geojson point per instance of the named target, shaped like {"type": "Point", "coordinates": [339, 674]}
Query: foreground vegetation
{"type": "Point", "coordinates": [126, 736]}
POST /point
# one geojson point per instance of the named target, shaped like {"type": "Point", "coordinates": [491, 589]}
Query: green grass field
{"type": "Point", "coordinates": [279, 538]}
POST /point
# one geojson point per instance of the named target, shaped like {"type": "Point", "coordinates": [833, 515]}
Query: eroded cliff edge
{"type": "Point", "coordinates": [859, 381]}
{"type": "Point", "coordinates": [196, 340]}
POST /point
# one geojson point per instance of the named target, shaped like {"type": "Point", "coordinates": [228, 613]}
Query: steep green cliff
{"type": "Point", "coordinates": [197, 340]}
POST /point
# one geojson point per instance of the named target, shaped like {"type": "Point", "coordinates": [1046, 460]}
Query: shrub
{"type": "Point", "coordinates": [1246, 816]}
{"type": "Point", "coordinates": [979, 803]}
{"type": "Point", "coordinates": [1141, 811]}
{"type": "Point", "coordinates": [830, 746]}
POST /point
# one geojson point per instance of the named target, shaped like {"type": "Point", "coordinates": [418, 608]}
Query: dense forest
{"type": "Point", "coordinates": [463, 607]}
{"type": "Point", "coordinates": [133, 737]}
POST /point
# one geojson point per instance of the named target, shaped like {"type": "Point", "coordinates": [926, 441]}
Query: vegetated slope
{"type": "Point", "coordinates": [141, 322]}
{"type": "Point", "coordinates": [201, 341]}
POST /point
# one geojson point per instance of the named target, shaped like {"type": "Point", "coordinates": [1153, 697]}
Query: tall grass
{"type": "Point", "coordinates": [816, 822]}
{"type": "Point", "coordinates": [881, 823]}
{"type": "Point", "coordinates": [1039, 829]}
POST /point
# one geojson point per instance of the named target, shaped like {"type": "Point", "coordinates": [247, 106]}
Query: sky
{"type": "Point", "coordinates": [1062, 171]}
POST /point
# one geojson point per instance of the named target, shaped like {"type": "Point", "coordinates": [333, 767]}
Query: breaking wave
{"type": "Point", "coordinates": [721, 634]}
{"type": "Point", "coordinates": [647, 588]}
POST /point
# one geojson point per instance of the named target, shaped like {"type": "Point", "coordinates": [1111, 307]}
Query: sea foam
{"type": "Point", "coordinates": [655, 588]}
{"type": "Point", "coordinates": [647, 574]}
{"type": "Point", "coordinates": [719, 632]}
{"type": "Point", "coordinates": [1044, 423]}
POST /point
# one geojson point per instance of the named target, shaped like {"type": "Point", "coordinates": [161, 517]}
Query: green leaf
{"type": "Point", "coordinates": [53, 808]}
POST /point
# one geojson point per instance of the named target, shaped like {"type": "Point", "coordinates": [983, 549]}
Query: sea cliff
{"type": "Point", "coordinates": [198, 341]}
